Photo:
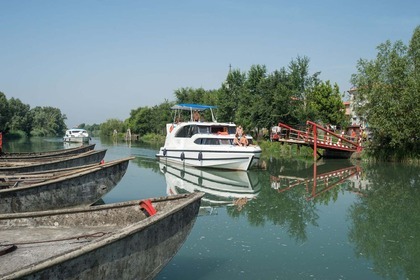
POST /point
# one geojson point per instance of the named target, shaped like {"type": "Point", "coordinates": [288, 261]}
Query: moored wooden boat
{"type": "Point", "coordinates": [82, 187]}
{"type": "Point", "coordinates": [111, 241]}
{"type": "Point", "coordinates": [27, 178]}
{"type": "Point", "coordinates": [37, 155]}
{"type": "Point", "coordinates": [90, 157]}
{"type": "Point", "coordinates": [12, 180]}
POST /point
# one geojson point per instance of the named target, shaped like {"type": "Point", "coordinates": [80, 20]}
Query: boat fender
{"type": "Point", "coordinates": [164, 152]}
{"type": "Point", "coordinates": [147, 207]}
{"type": "Point", "coordinates": [200, 156]}
{"type": "Point", "coordinates": [182, 156]}
{"type": "Point", "coordinates": [171, 128]}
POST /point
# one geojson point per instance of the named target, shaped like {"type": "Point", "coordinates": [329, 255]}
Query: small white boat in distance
{"type": "Point", "coordinates": [76, 135]}
{"type": "Point", "coordinates": [205, 143]}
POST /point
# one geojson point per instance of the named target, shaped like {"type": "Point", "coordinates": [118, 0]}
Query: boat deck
{"type": "Point", "coordinates": [54, 240]}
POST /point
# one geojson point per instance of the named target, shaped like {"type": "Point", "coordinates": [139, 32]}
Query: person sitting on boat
{"type": "Point", "coordinates": [238, 135]}
{"type": "Point", "coordinates": [243, 141]}
{"type": "Point", "coordinates": [196, 116]}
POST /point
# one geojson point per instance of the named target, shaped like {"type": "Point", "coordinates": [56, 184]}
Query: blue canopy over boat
{"type": "Point", "coordinates": [194, 107]}
{"type": "Point", "coordinates": [186, 106]}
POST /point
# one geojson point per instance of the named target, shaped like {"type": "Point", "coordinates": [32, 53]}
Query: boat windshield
{"type": "Point", "coordinates": [213, 141]}
{"type": "Point", "coordinates": [189, 130]}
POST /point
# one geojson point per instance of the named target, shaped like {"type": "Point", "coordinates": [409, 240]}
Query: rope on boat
{"type": "Point", "coordinates": [96, 234]}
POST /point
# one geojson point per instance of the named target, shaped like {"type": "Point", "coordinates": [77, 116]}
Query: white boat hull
{"type": "Point", "coordinates": [229, 158]}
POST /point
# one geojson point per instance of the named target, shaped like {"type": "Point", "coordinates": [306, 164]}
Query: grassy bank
{"type": "Point", "coordinates": [279, 150]}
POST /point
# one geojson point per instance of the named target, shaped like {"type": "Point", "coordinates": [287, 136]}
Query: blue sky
{"type": "Point", "coordinates": [96, 60]}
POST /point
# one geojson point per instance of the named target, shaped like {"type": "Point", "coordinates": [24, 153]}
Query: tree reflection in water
{"type": "Point", "coordinates": [299, 186]}
{"type": "Point", "coordinates": [386, 221]}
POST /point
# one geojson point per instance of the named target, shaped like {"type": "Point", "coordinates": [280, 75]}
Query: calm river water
{"type": "Point", "coordinates": [293, 220]}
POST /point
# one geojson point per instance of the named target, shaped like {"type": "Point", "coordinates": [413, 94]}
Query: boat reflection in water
{"type": "Point", "coordinates": [221, 187]}
{"type": "Point", "coordinates": [320, 178]}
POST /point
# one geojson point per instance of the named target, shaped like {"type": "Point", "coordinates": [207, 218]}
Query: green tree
{"type": "Point", "coordinates": [388, 96]}
{"type": "Point", "coordinates": [159, 116]}
{"type": "Point", "coordinates": [111, 125]}
{"type": "Point", "coordinates": [325, 105]}
{"type": "Point", "coordinates": [22, 116]}
{"type": "Point", "coordinates": [195, 96]}
{"type": "Point", "coordinates": [139, 121]}
{"type": "Point", "coordinates": [300, 84]}
{"type": "Point", "coordinates": [248, 108]}
{"type": "Point", "coordinates": [5, 114]}
{"type": "Point", "coordinates": [48, 121]}
{"type": "Point", "coordinates": [228, 95]}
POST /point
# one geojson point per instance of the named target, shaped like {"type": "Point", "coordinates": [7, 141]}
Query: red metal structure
{"type": "Point", "coordinates": [319, 137]}
{"type": "Point", "coordinates": [317, 184]}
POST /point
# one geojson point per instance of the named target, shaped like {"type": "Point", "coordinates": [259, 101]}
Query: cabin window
{"type": "Point", "coordinates": [207, 141]}
{"type": "Point", "coordinates": [213, 141]}
{"type": "Point", "coordinates": [225, 142]}
{"type": "Point", "coordinates": [223, 129]}
{"type": "Point", "coordinates": [216, 129]}
{"type": "Point", "coordinates": [187, 131]}
{"type": "Point", "coordinates": [203, 129]}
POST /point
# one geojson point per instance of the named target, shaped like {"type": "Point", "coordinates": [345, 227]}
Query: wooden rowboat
{"type": "Point", "coordinates": [111, 241]}
{"type": "Point", "coordinates": [29, 178]}
{"type": "Point", "coordinates": [39, 155]}
{"type": "Point", "coordinates": [81, 187]}
{"type": "Point", "coordinates": [24, 178]}
{"type": "Point", "coordinates": [95, 156]}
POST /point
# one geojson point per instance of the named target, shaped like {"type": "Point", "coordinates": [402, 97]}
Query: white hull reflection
{"type": "Point", "coordinates": [221, 187]}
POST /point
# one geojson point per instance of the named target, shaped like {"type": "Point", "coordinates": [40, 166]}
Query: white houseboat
{"type": "Point", "coordinates": [206, 143]}
{"type": "Point", "coordinates": [76, 135]}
